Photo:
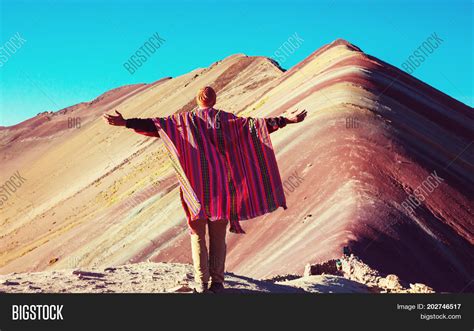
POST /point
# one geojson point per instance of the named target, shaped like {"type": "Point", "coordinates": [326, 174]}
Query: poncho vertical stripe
{"type": "Point", "coordinates": [225, 165]}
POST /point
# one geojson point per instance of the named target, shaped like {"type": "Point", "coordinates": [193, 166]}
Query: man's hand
{"type": "Point", "coordinates": [298, 118]}
{"type": "Point", "coordinates": [115, 120]}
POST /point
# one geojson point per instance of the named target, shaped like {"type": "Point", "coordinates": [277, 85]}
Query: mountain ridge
{"type": "Point", "coordinates": [105, 196]}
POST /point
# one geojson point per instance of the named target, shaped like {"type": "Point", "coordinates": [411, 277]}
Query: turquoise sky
{"type": "Point", "coordinates": [75, 50]}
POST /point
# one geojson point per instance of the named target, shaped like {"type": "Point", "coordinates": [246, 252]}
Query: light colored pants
{"type": "Point", "coordinates": [209, 265]}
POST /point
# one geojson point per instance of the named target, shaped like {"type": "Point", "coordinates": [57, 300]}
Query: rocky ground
{"type": "Point", "coordinates": [352, 268]}
{"type": "Point", "coordinates": [345, 275]}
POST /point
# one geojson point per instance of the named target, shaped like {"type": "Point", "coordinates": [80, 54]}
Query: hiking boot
{"type": "Point", "coordinates": [201, 288]}
{"type": "Point", "coordinates": [216, 288]}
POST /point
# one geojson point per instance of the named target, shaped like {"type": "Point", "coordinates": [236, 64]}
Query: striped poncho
{"type": "Point", "coordinates": [225, 165]}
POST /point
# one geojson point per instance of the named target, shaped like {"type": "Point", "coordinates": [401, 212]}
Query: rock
{"type": "Point", "coordinates": [281, 278]}
{"type": "Point", "coordinates": [307, 270]}
{"type": "Point", "coordinates": [329, 267]}
{"type": "Point", "coordinates": [53, 260]}
{"type": "Point", "coordinates": [420, 288]}
{"type": "Point", "coordinates": [88, 274]}
{"type": "Point", "coordinates": [390, 282]}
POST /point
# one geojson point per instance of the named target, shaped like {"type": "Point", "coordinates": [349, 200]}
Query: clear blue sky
{"type": "Point", "coordinates": [75, 50]}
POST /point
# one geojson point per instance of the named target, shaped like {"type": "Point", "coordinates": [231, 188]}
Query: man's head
{"type": "Point", "coordinates": [206, 97]}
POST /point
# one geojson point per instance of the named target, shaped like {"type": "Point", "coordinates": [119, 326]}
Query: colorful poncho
{"type": "Point", "coordinates": [225, 165]}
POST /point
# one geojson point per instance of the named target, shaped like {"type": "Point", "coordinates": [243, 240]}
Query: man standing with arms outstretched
{"type": "Point", "coordinates": [227, 172]}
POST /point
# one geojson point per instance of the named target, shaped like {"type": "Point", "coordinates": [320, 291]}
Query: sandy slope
{"type": "Point", "coordinates": [97, 196]}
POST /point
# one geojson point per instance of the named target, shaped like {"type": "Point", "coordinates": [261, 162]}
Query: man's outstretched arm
{"type": "Point", "coordinates": [144, 126]}
{"type": "Point", "coordinates": [275, 123]}
{"type": "Point", "coordinates": [141, 125]}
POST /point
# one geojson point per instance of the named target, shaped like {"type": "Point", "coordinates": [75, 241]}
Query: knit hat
{"type": "Point", "coordinates": [206, 97]}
